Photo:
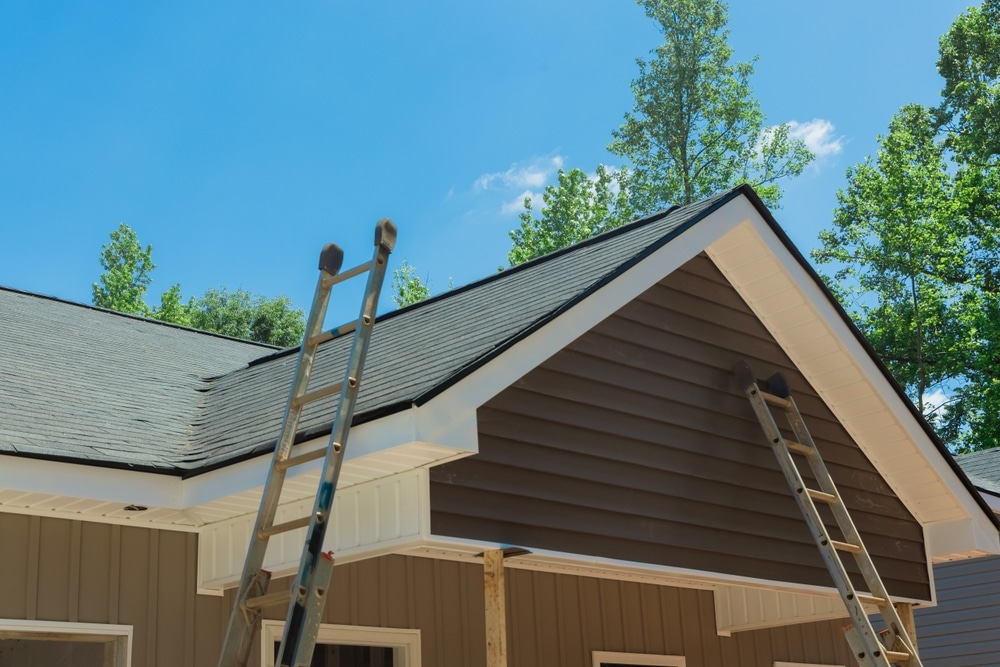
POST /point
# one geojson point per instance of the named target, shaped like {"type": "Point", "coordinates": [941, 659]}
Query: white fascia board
{"type": "Point", "coordinates": [455, 431]}
{"type": "Point", "coordinates": [754, 244]}
{"type": "Point", "coordinates": [543, 560]}
{"type": "Point", "coordinates": [58, 478]}
{"type": "Point", "coordinates": [958, 540]}
{"type": "Point", "coordinates": [451, 435]}
{"type": "Point", "coordinates": [499, 373]}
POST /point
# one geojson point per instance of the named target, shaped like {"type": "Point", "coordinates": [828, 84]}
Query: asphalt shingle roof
{"type": "Point", "coordinates": [84, 384]}
{"type": "Point", "coordinates": [91, 385]}
{"type": "Point", "coordinates": [983, 469]}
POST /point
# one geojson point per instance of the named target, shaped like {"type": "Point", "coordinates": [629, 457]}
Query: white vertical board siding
{"type": "Point", "coordinates": [739, 608]}
{"type": "Point", "coordinates": [963, 630]}
{"type": "Point", "coordinates": [369, 519]}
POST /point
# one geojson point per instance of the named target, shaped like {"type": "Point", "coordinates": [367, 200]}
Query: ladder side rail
{"type": "Point", "coordinates": [242, 620]}
{"type": "Point", "coordinates": [876, 587]}
{"type": "Point", "coordinates": [302, 621]}
{"type": "Point", "coordinates": [829, 553]}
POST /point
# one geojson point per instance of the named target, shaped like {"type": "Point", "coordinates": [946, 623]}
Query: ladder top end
{"type": "Point", "coordinates": [385, 234]}
{"type": "Point", "coordinates": [331, 259]}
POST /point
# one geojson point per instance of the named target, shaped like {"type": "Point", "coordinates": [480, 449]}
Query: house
{"type": "Point", "coordinates": [963, 630]}
{"type": "Point", "coordinates": [580, 407]}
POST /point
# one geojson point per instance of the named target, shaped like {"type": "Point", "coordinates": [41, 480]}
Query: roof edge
{"type": "Point", "coordinates": [772, 223]}
{"type": "Point", "coordinates": [140, 318]}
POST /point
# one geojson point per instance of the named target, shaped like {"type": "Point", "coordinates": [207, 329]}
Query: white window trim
{"type": "Point", "coordinates": [121, 635]}
{"type": "Point", "coordinates": [601, 657]}
{"type": "Point", "coordinates": [405, 640]}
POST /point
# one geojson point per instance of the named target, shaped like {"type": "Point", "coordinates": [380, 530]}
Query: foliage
{"type": "Point", "coordinates": [970, 64]}
{"type": "Point", "coordinates": [695, 128]}
{"type": "Point", "coordinates": [173, 309]}
{"type": "Point", "coordinates": [577, 208]}
{"type": "Point", "coordinates": [127, 265]}
{"type": "Point", "coordinates": [241, 314]}
{"type": "Point", "coordinates": [126, 278]}
{"type": "Point", "coordinates": [907, 251]}
{"type": "Point", "coordinates": [407, 288]}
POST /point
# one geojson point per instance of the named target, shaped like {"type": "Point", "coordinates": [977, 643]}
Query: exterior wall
{"type": "Point", "coordinates": [636, 443]}
{"type": "Point", "coordinates": [964, 629]}
{"type": "Point", "coordinates": [59, 570]}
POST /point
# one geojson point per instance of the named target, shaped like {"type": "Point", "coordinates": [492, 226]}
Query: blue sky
{"type": "Point", "coordinates": [238, 138]}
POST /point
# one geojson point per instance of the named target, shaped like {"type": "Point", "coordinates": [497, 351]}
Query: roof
{"type": "Point", "coordinates": [983, 469]}
{"type": "Point", "coordinates": [88, 385]}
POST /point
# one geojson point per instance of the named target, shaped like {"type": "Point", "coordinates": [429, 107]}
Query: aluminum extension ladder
{"type": "Point", "coordinates": [871, 649]}
{"type": "Point", "coordinates": [307, 595]}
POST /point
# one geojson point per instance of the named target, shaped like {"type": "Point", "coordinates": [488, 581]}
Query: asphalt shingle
{"type": "Point", "coordinates": [79, 383]}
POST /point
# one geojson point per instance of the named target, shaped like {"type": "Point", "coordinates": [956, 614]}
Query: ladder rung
{"type": "Point", "coordinates": [845, 546]}
{"type": "Point", "coordinates": [871, 600]}
{"type": "Point", "coordinates": [798, 447]}
{"type": "Point", "coordinates": [897, 656]}
{"type": "Point", "coordinates": [332, 333]}
{"type": "Point", "coordinates": [269, 600]}
{"type": "Point", "coordinates": [776, 401]}
{"type": "Point", "coordinates": [330, 281]}
{"type": "Point", "coordinates": [300, 459]}
{"type": "Point", "coordinates": [311, 396]}
{"type": "Point", "coordinates": [822, 496]}
{"type": "Point", "coordinates": [301, 522]}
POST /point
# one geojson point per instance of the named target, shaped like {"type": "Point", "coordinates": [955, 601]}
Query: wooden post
{"type": "Point", "coordinates": [905, 612]}
{"type": "Point", "coordinates": [496, 609]}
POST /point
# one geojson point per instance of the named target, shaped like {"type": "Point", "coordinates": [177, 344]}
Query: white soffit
{"type": "Point", "coordinates": [738, 608]}
{"type": "Point", "coordinates": [810, 330]}
{"type": "Point", "coordinates": [398, 443]}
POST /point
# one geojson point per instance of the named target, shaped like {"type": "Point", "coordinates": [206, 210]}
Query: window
{"type": "Point", "coordinates": [350, 646]}
{"type": "Point", "coordinates": [612, 659]}
{"type": "Point", "coordinates": [64, 644]}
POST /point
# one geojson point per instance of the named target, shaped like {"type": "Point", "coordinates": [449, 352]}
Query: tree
{"type": "Point", "coordinates": [172, 308]}
{"type": "Point", "coordinates": [407, 288]}
{"type": "Point", "coordinates": [576, 208]}
{"type": "Point", "coordinates": [970, 64]}
{"type": "Point", "coordinates": [127, 265]}
{"type": "Point", "coordinates": [241, 314]}
{"type": "Point", "coordinates": [127, 276]}
{"type": "Point", "coordinates": [903, 246]}
{"type": "Point", "coordinates": [695, 128]}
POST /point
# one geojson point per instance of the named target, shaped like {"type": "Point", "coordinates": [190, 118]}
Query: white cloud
{"type": "Point", "coordinates": [533, 173]}
{"type": "Point", "coordinates": [516, 205]}
{"type": "Point", "coordinates": [817, 135]}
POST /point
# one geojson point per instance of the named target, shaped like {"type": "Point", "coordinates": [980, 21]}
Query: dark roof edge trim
{"type": "Point", "coordinates": [478, 363]}
{"type": "Point", "coordinates": [860, 337]}
{"type": "Point", "coordinates": [139, 318]}
{"type": "Point", "coordinates": [499, 275]}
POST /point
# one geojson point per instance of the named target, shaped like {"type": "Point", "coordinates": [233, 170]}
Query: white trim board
{"type": "Point", "coordinates": [810, 330]}
{"type": "Point", "coordinates": [405, 641]}
{"type": "Point", "coordinates": [121, 635]}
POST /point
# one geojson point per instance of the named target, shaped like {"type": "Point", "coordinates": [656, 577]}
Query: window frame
{"type": "Point", "coordinates": [120, 636]}
{"type": "Point", "coordinates": [786, 663]}
{"type": "Point", "coordinates": [404, 641]}
{"type": "Point", "coordinates": [601, 657]}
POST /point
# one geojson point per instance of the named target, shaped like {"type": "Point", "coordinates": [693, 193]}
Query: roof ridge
{"type": "Point", "coordinates": [524, 266]}
{"type": "Point", "coordinates": [140, 318]}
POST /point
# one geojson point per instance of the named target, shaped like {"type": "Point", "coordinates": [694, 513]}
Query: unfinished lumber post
{"type": "Point", "coordinates": [496, 609]}
{"type": "Point", "coordinates": [905, 612]}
